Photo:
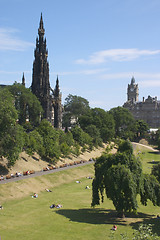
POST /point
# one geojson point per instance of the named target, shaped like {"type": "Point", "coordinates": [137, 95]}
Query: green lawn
{"type": "Point", "coordinates": [29, 218]}
{"type": "Point", "coordinates": [149, 159]}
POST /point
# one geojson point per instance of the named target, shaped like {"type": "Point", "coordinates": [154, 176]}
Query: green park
{"type": "Point", "coordinates": [79, 149]}
{"type": "Point", "coordinates": [32, 218]}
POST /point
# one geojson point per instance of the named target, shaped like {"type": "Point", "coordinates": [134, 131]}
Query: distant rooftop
{"type": "Point", "coordinates": [2, 85]}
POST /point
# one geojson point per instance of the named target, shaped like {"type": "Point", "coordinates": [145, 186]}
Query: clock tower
{"type": "Point", "coordinates": [133, 91]}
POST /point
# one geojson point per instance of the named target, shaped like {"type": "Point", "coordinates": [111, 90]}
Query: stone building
{"type": "Point", "coordinates": [147, 110]}
{"type": "Point", "coordinates": [50, 99]}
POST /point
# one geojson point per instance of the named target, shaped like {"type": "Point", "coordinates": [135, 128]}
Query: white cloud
{"type": "Point", "coordinates": [8, 41]}
{"type": "Point", "coordinates": [116, 55]}
{"type": "Point", "coordinates": [83, 72]}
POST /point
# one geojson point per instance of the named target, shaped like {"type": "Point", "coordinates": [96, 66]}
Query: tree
{"type": "Point", "coordinates": [94, 133]}
{"type": "Point", "coordinates": [27, 104]}
{"type": "Point", "coordinates": [102, 120]}
{"type": "Point", "coordinates": [120, 176]}
{"type": "Point", "coordinates": [157, 138]}
{"type": "Point", "coordinates": [34, 143]}
{"type": "Point", "coordinates": [8, 113]}
{"type": "Point", "coordinates": [121, 189]}
{"type": "Point", "coordinates": [11, 134]}
{"type": "Point", "coordinates": [141, 128]}
{"type": "Point", "coordinates": [12, 143]}
{"type": "Point", "coordinates": [150, 189]}
{"type": "Point", "coordinates": [80, 136]}
{"type": "Point", "coordinates": [156, 172]}
{"type": "Point", "coordinates": [50, 140]}
{"type": "Point", "coordinates": [124, 122]}
{"type": "Point", "coordinates": [74, 107]}
{"type": "Point", "coordinates": [125, 146]}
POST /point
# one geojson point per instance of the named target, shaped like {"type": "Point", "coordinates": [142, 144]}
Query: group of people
{"type": "Point", "coordinates": [35, 195]}
{"type": "Point", "coordinates": [56, 206]}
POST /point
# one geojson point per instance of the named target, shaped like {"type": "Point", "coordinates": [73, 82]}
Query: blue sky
{"type": "Point", "coordinates": [94, 46]}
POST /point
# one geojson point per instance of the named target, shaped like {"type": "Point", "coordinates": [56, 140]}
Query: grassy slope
{"type": "Point", "coordinates": [28, 218]}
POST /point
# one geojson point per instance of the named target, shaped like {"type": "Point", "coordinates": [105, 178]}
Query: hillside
{"type": "Point", "coordinates": [26, 162]}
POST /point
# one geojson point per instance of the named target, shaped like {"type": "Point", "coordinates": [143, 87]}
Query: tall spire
{"type": "Point", "coordinates": [51, 104]}
{"type": "Point", "coordinates": [57, 83]}
{"type": "Point", "coordinates": [133, 80]}
{"type": "Point", "coordinates": [41, 30]}
{"type": "Point", "coordinates": [40, 78]}
{"type": "Point", "coordinates": [23, 80]}
{"type": "Point", "coordinates": [57, 90]}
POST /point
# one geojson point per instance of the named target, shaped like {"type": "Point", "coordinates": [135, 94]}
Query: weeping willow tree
{"type": "Point", "coordinates": [120, 177]}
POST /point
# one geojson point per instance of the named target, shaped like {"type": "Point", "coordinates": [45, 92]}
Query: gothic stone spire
{"type": "Point", "coordinates": [57, 106]}
{"type": "Point", "coordinates": [57, 90]}
{"type": "Point", "coordinates": [23, 80]}
{"type": "Point", "coordinates": [40, 79]}
{"type": "Point", "coordinates": [41, 30]}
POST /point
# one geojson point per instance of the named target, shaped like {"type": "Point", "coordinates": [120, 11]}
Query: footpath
{"type": "Point", "coordinates": [40, 173]}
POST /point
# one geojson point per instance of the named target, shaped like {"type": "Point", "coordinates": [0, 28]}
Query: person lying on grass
{"type": "Point", "coordinates": [48, 190]}
{"type": "Point", "coordinates": [56, 206]}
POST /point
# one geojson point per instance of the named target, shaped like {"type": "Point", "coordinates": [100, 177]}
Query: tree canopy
{"type": "Point", "coordinates": [141, 128]}
{"type": "Point", "coordinates": [11, 135]}
{"type": "Point", "coordinates": [124, 122]}
{"type": "Point", "coordinates": [26, 103]}
{"type": "Point", "coordinates": [120, 175]}
{"type": "Point", "coordinates": [102, 120]}
{"type": "Point", "coordinates": [74, 107]}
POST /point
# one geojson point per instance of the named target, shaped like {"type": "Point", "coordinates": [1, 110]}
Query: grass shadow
{"type": "Point", "coordinates": [154, 162]}
{"type": "Point", "coordinates": [24, 159]}
{"type": "Point", "coordinates": [98, 216]}
{"type": "Point", "coordinates": [35, 158]}
{"type": "Point", "coordinates": [154, 153]}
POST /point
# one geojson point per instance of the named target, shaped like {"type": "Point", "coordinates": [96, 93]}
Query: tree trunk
{"type": "Point", "coordinates": [121, 214]}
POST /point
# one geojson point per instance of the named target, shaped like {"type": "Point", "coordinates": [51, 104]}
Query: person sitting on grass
{"type": "Point", "coordinates": [35, 195]}
{"type": "Point", "coordinates": [114, 228]}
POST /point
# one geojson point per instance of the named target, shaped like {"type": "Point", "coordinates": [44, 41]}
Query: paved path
{"type": "Point", "coordinates": [139, 144]}
{"type": "Point", "coordinates": [40, 173]}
